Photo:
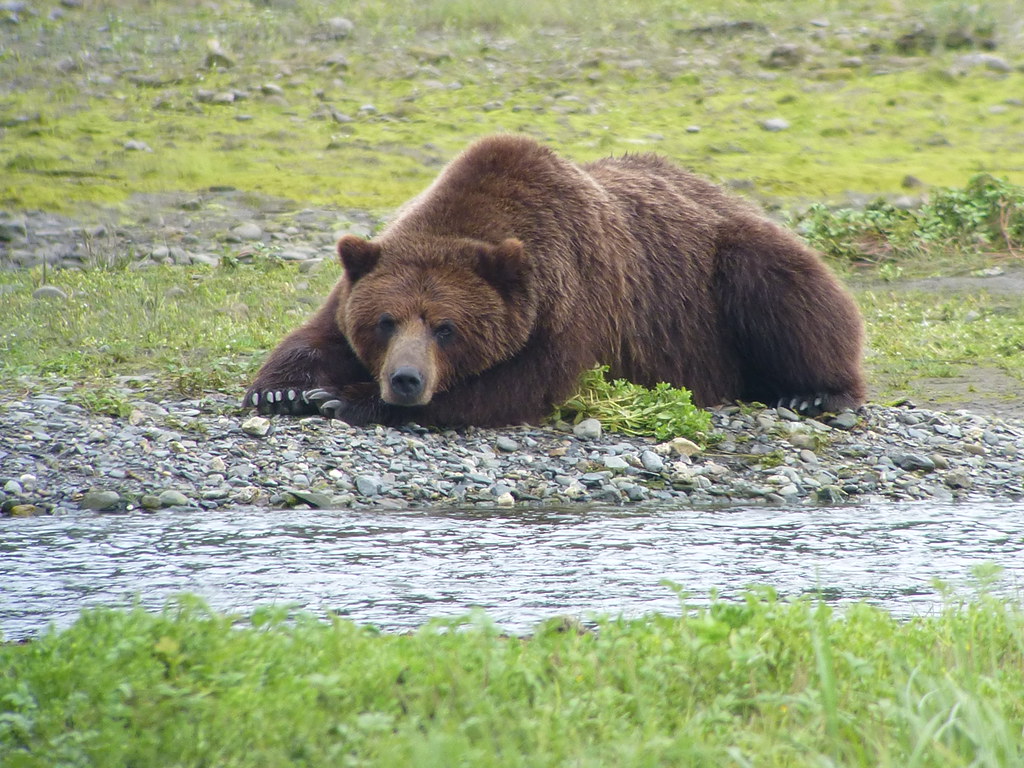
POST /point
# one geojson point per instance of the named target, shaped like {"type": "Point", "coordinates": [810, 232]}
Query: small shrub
{"type": "Point", "coordinates": [987, 214]}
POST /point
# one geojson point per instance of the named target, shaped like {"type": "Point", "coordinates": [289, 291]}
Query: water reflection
{"type": "Point", "coordinates": [397, 569]}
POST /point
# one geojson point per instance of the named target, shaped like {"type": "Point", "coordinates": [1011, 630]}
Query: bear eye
{"type": "Point", "coordinates": [385, 325]}
{"type": "Point", "coordinates": [444, 332]}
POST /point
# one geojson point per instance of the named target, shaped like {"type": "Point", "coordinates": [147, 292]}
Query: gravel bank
{"type": "Point", "coordinates": [55, 458]}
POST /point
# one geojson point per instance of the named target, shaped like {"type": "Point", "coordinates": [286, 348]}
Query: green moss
{"type": "Point", "coordinates": [439, 75]}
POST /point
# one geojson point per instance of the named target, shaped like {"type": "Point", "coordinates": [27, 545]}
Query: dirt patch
{"type": "Point", "coordinates": [983, 390]}
{"type": "Point", "coordinates": [1005, 280]}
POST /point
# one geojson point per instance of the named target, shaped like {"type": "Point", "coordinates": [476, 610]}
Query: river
{"type": "Point", "coordinates": [396, 569]}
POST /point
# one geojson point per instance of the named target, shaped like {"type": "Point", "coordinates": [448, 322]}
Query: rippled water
{"type": "Point", "coordinates": [397, 569]}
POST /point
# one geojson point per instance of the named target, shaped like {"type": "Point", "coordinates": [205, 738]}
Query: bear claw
{"type": "Point", "coordinates": [327, 403]}
{"type": "Point", "coordinates": [805, 406]}
{"type": "Point", "coordinates": [269, 402]}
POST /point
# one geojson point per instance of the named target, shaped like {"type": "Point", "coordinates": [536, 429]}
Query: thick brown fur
{"type": "Point", "coordinates": [516, 270]}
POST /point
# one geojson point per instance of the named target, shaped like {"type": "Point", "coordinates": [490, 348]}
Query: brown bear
{"type": "Point", "coordinates": [517, 270]}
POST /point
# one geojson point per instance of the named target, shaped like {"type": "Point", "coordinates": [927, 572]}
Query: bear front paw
{"type": "Point", "coordinates": [286, 401]}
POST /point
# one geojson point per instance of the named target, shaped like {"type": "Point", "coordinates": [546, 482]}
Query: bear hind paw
{"type": "Point", "coordinates": [815, 405]}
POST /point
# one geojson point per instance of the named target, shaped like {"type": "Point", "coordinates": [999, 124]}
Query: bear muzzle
{"type": "Point", "coordinates": [406, 386]}
{"type": "Point", "coordinates": [408, 372]}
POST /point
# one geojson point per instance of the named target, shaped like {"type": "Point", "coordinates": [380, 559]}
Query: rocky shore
{"type": "Point", "coordinates": [57, 458]}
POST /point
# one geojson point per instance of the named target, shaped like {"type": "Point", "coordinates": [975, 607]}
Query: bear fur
{"type": "Point", "coordinates": [517, 270]}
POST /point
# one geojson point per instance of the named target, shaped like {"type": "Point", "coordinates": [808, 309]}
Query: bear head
{"type": "Point", "coordinates": [426, 314]}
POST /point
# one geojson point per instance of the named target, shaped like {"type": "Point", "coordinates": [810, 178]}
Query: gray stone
{"type": "Point", "coordinates": [13, 229]}
{"type": "Point", "coordinates": [987, 60]}
{"type": "Point", "coordinates": [257, 426]}
{"type": "Point", "coordinates": [958, 478]}
{"type": "Point", "coordinates": [339, 27]}
{"type": "Point", "coordinates": [506, 444]}
{"type": "Point", "coordinates": [913, 462]}
{"type": "Point", "coordinates": [49, 292]}
{"type": "Point", "coordinates": [217, 57]}
{"type": "Point", "coordinates": [784, 56]}
{"type": "Point", "coordinates": [368, 485]}
{"type": "Point", "coordinates": [173, 499]}
{"type": "Point", "coordinates": [588, 429]}
{"type": "Point", "coordinates": [100, 501]}
{"type": "Point", "coordinates": [846, 420]}
{"type": "Point", "coordinates": [652, 462]}
{"type": "Point", "coordinates": [775, 124]}
{"type": "Point", "coordinates": [313, 498]}
{"type": "Point", "coordinates": [248, 231]}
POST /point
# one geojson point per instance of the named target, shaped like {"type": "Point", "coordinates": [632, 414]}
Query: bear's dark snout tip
{"type": "Point", "coordinates": [406, 385]}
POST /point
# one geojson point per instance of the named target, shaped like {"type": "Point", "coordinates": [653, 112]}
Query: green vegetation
{"type": "Point", "coordinates": [116, 98]}
{"type": "Point", "coordinates": [753, 682]}
{"type": "Point", "coordinates": [168, 329]}
{"type": "Point", "coordinates": [987, 215]}
{"type": "Point", "coordinates": [621, 406]}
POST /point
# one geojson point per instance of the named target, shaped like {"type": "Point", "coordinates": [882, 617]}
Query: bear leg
{"type": "Point", "coordinates": [796, 331]}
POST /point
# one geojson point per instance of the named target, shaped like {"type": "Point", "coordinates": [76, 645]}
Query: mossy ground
{"type": "Point", "coordinates": [418, 83]}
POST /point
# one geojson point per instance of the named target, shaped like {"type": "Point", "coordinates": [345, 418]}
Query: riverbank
{"type": "Point", "coordinates": [205, 453]}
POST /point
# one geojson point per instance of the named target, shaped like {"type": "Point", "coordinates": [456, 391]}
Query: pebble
{"type": "Point", "coordinates": [588, 429]}
{"type": "Point", "coordinates": [248, 231]}
{"type": "Point", "coordinates": [100, 500]}
{"type": "Point", "coordinates": [775, 124]}
{"type": "Point", "coordinates": [49, 292]}
{"type": "Point", "coordinates": [151, 461]}
{"type": "Point", "coordinates": [507, 444]}
{"type": "Point", "coordinates": [173, 499]}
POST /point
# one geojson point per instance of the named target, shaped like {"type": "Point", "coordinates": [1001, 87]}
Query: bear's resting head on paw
{"type": "Point", "coordinates": [422, 316]}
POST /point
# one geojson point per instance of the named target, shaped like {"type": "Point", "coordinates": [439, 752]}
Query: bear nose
{"type": "Point", "coordinates": [407, 383]}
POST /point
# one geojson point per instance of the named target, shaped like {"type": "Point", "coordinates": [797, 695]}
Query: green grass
{"type": "Point", "coordinates": [193, 328]}
{"type": "Point", "coordinates": [590, 78]}
{"type": "Point", "coordinates": [917, 335]}
{"type": "Point", "coordinates": [756, 682]}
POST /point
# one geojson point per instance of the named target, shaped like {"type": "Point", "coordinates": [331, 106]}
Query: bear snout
{"type": "Point", "coordinates": [408, 373]}
{"type": "Point", "coordinates": [407, 385]}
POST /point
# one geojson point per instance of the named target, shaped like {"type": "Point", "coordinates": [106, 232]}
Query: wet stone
{"type": "Point", "coordinates": [100, 501]}
{"type": "Point", "coordinates": [914, 462]}
{"type": "Point", "coordinates": [173, 499]}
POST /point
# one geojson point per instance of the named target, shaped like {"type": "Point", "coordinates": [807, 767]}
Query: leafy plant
{"type": "Point", "coordinates": [621, 406]}
{"type": "Point", "coordinates": [987, 214]}
{"type": "Point", "coordinates": [105, 402]}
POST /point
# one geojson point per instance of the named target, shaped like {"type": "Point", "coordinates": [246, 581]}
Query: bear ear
{"type": "Point", "coordinates": [505, 266]}
{"type": "Point", "coordinates": [357, 256]}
